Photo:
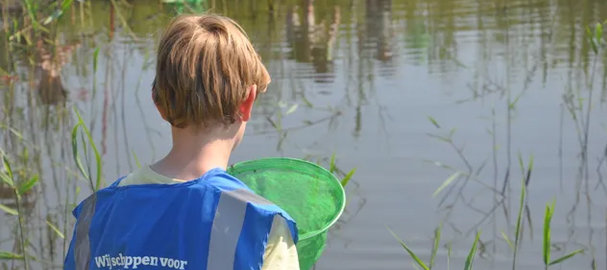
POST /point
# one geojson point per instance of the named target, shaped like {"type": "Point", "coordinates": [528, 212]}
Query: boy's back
{"type": "Point", "coordinates": [207, 79]}
{"type": "Point", "coordinates": [159, 225]}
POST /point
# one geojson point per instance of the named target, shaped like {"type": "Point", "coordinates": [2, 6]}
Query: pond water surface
{"type": "Point", "coordinates": [407, 92]}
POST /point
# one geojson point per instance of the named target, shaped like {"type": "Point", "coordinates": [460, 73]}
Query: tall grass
{"type": "Point", "coordinates": [469, 259]}
{"type": "Point", "coordinates": [19, 189]}
{"type": "Point", "coordinates": [29, 32]}
{"type": "Point", "coordinates": [546, 244]}
{"type": "Point", "coordinates": [87, 141]}
{"type": "Point", "coordinates": [546, 250]}
{"type": "Point", "coordinates": [20, 186]}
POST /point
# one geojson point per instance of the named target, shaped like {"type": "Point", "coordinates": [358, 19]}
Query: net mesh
{"type": "Point", "coordinates": [311, 195]}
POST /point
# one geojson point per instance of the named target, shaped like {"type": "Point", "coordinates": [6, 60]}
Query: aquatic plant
{"type": "Point", "coordinates": [546, 250]}
{"type": "Point", "coordinates": [595, 39]}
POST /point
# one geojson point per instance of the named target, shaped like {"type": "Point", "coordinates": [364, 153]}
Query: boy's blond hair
{"type": "Point", "coordinates": [205, 66]}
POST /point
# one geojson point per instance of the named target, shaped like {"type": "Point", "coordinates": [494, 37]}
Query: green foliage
{"type": "Point", "coordinates": [335, 170]}
{"type": "Point", "coordinates": [547, 242]}
{"type": "Point", "coordinates": [595, 38]}
{"type": "Point", "coordinates": [437, 235]}
{"type": "Point", "coordinates": [447, 181]}
{"type": "Point", "coordinates": [136, 160]}
{"type": "Point", "coordinates": [517, 230]}
{"type": "Point", "coordinates": [9, 179]}
{"type": "Point", "coordinates": [7, 175]}
{"type": "Point", "coordinates": [183, 6]}
{"type": "Point", "coordinates": [411, 253]}
{"type": "Point", "coordinates": [347, 178]}
{"type": "Point", "coordinates": [332, 167]}
{"type": "Point", "coordinates": [55, 229]}
{"type": "Point", "coordinates": [561, 259]}
{"type": "Point", "coordinates": [472, 254]}
{"type": "Point", "coordinates": [27, 186]}
{"type": "Point", "coordinates": [65, 5]}
{"type": "Point", "coordinates": [433, 121]}
{"type": "Point", "coordinates": [5, 255]}
{"type": "Point", "coordinates": [8, 210]}
{"type": "Point", "coordinates": [96, 182]}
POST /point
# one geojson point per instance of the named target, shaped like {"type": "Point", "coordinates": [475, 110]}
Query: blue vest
{"type": "Point", "coordinates": [211, 223]}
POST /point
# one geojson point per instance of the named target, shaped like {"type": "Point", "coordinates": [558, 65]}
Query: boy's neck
{"type": "Point", "coordinates": [195, 154]}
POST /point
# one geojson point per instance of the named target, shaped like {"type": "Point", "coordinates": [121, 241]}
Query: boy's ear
{"type": "Point", "coordinates": [247, 106]}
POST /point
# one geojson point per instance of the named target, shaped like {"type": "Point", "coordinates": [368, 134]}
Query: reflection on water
{"type": "Point", "coordinates": [504, 82]}
{"type": "Point", "coordinates": [311, 42]}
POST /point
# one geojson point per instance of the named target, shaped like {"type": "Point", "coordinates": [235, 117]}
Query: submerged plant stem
{"type": "Point", "coordinates": [21, 234]}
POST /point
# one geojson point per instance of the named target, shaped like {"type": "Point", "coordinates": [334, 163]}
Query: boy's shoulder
{"type": "Point", "coordinates": [216, 181]}
{"type": "Point", "coordinates": [234, 191]}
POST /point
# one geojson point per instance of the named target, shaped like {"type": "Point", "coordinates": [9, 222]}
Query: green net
{"type": "Point", "coordinates": [310, 194]}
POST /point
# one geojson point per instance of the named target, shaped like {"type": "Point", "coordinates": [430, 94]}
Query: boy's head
{"type": "Point", "coordinates": [208, 74]}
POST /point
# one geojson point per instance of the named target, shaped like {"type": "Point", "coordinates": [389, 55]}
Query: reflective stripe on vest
{"type": "Point", "coordinates": [82, 246]}
{"type": "Point", "coordinates": [227, 228]}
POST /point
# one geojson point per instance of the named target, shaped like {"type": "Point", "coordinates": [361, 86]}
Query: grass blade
{"type": "Point", "coordinates": [5, 255]}
{"type": "Point", "coordinates": [347, 178]}
{"type": "Point", "coordinates": [598, 33]}
{"type": "Point", "coordinates": [13, 131]}
{"type": "Point", "coordinates": [65, 5]}
{"type": "Point", "coordinates": [53, 17]}
{"type": "Point", "coordinates": [27, 186]}
{"type": "Point", "coordinates": [561, 259]}
{"type": "Point", "coordinates": [437, 235]}
{"type": "Point", "coordinates": [95, 58]}
{"type": "Point", "coordinates": [75, 151]}
{"type": "Point", "coordinates": [547, 240]}
{"type": "Point", "coordinates": [433, 121]}
{"type": "Point", "coordinates": [472, 254]}
{"type": "Point", "coordinates": [520, 163]}
{"type": "Point", "coordinates": [55, 229]}
{"type": "Point", "coordinates": [292, 109]}
{"type": "Point", "coordinates": [529, 170]}
{"type": "Point", "coordinates": [507, 240]}
{"type": "Point", "coordinates": [136, 159]}
{"type": "Point", "coordinates": [445, 183]}
{"type": "Point", "coordinates": [517, 230]}
{"type": "Point", "coordinates": [591, 40]}
{"type": "Point", "coordinates": [8, 179]}
{"type": "Point", "coordinates": [8, 210]}
{"type": "Point", "coordinates": [332, 167]}
{"type": "Point", "coordinates": [449, 255]}
{"type": "Point", "coordinates": [415, 258]}
{"type": "Point", "coordinates": [97, 155]}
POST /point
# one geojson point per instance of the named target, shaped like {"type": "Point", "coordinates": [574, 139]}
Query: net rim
{"type": "Point", "coordinates": [315, 166]}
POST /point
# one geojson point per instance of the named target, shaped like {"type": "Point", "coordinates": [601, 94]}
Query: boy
{"type": "Point", "coordinates": [185, 211]}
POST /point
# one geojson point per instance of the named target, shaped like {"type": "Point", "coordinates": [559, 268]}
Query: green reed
{"type": "Point", "coordinates": [19, 188]}
{"type": "Point", "coordinates": [345, 177]}
{"type": "Point", "coordinates": [470, 258]}
{"type": "Point", "coordinates": [95, 181]}
{"type": "Point", "coordinates": [595, 38]}
{"type": "Point", "coordinates": [19, 185]}
{"type": "Point", "coordinates": [522, 204]}
{"type": "Point", "coordinates": [546, 244]}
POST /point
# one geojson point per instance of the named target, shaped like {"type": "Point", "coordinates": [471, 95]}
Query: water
{"type": "Point", "coordinates": [358, 79]}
